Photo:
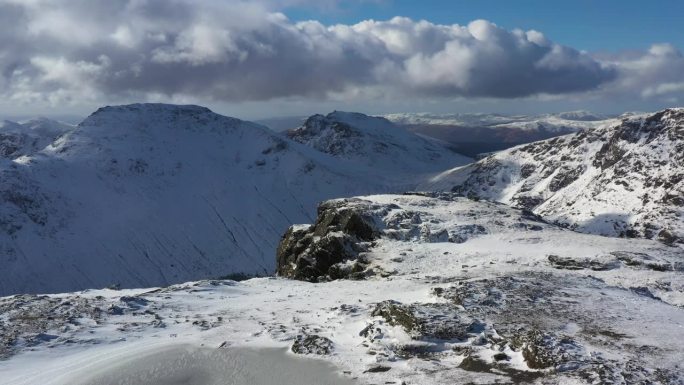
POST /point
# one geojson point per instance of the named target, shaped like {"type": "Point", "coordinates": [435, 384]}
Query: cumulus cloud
{"type": "Point", "coordinates": [235, 50]}
{"type": "Point", "coordinates": [657, 72]}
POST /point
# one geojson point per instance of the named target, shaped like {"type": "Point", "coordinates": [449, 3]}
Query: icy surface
{"type": "Point", "coordinates": [189, 365]}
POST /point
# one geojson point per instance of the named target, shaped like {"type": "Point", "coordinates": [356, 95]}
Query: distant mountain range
{"type": "Point", "coordinates": [475, 134]}
{"type": "Point", "coordinates": [154, 194]}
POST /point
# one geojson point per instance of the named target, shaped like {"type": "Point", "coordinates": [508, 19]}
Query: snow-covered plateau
{"type": "Point", "coordinates": [431, 288]}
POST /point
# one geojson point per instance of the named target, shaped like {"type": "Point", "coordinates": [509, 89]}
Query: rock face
{"type": "Point", "coordinates": [622, 180]}
{"type": "Point", "coordinates": [326, 249]}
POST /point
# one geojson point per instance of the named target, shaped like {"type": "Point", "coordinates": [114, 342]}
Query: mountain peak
{"type": "Point", "coordinates": [137, 110]}
{"type": "Point", "coordinates": [373, 141]}
{"type": "Point", "coordinates": [361, 121]}
{"type": "Point", "coordinates": [158, 116]}
{"type": "Point", "coordinates": [151, 108]}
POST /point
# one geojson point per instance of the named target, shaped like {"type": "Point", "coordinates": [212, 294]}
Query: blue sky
{"type": "Point", "coordinates": [592, 25]}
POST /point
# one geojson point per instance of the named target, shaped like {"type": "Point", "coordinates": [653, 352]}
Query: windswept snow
{"type": "Point", "coordinates": [187, 364]}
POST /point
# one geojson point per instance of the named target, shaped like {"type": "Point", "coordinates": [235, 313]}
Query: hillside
{"type": "Point", "coordinates": [625, 179]}
{"type": "Point", "coordinates": [152, 194]}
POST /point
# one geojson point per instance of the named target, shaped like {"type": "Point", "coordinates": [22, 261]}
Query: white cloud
{"type": "Point", "coordinates": [664, 89]}
{"type": "Point", "coordinates": [235, 50]}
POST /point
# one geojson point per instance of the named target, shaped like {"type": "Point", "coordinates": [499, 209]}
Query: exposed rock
{"type": "Point", "coordinates": [319, 252]}
{"type": "Point", "coordinates": [463, 233]}
{"type": "Point", "coordinates": [312, 344]}
{"type": "Point", "coordinates": [377, 369]}
{"type": "Point", "coordinates": [27, 319]}
{"type": "Point", "coordinates": [598, 263]}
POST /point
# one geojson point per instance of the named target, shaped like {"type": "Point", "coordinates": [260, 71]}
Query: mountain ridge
{"type": "Point", "coordinates": [620, 180]}
{"type": "Point", "coordinates": [154, 194]}
{"type": "Point", "coordinates": [374, 142]}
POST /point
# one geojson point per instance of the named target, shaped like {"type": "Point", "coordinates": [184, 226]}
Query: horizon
{"type": "Point", "coordinates": [270, 59]}
{"type": "Point", "coordinates": [76, 119]}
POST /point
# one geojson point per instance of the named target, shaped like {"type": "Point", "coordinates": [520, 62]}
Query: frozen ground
{"type": "Point", "coordinates": [451, 291]}
{"type": "Point", "coordinates": [185, 364]}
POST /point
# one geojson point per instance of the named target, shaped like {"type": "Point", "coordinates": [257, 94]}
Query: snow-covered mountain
{"type": "Point", "coordinates": [153, 194]}
{"type": "Point", "coordinates": [26, 138]}
{"type": "Point", "coordinates": [473, 134]}
{"type": "Point", "coordinates": [374, 142]}
{"type": "Point", "coordinates": [625, 179]}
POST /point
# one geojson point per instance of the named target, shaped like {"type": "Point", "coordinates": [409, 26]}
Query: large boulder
{"type": "Point", "coordinates": [330, 248]}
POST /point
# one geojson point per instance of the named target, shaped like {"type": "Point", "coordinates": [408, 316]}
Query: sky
{"type": "Point", "coordinates": [591, 25]}
{"type": "Point", "coordinates": [268, 58]}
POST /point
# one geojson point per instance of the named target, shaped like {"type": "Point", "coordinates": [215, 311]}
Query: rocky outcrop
{"type": "Point", "coordinates": [330, 248]}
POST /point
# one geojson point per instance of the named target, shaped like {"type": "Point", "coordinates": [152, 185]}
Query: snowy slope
{"type": "Point", "coordinates": [374, 142]}
{"type": "Point", "coordinates": [26, 138]}
{"type": "Point", "coordinates": [145, 195]}
{"type": "Point", "coordinates": [454, 291]}
{"type": "Point", "coordinates": [625, 179]}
